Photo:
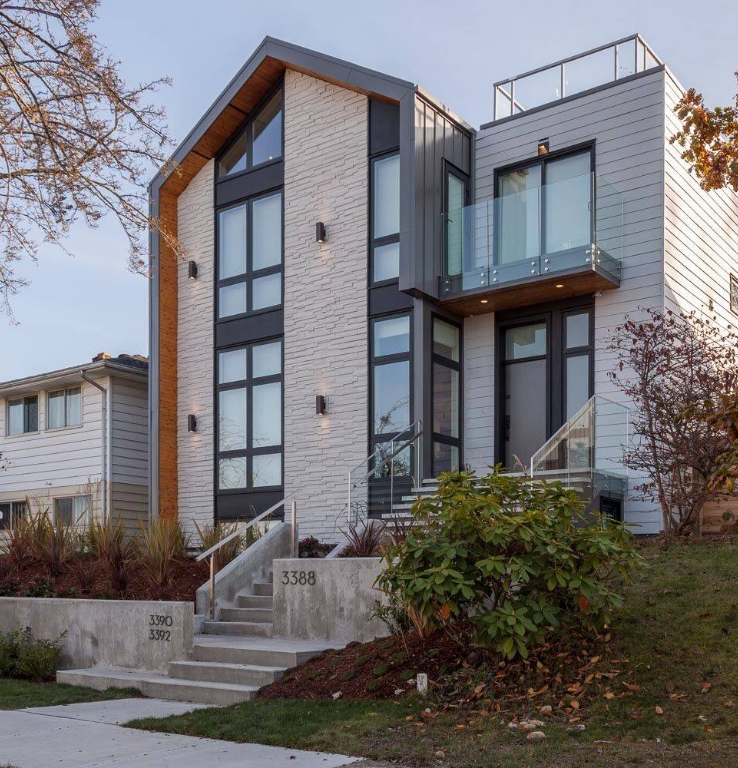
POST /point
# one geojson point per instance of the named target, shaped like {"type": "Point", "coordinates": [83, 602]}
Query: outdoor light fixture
{"type": "Point", "coordinates": [192, 270]}
{"type": "Point", "coordinates": [543, 147]}
{"type": "Point", "coordinates": [320, 232]}
{"type": "Point", "coordinates": [192, 423]}
{"type": "Point", "coordinates": [320, 405]}
{"type": "Point", "coordinates": [559, 285]}
{"type": "Point", "coordinates": [484, 301]}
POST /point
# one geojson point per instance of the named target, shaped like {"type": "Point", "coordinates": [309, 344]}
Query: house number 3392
{"type": "Point", "coordinates": [299, 577]}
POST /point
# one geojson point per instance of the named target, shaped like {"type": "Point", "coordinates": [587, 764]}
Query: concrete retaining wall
{"type": "Point", "coordinates": [332, 600]}
{"type": "Point", "coordinates": [129, 634]}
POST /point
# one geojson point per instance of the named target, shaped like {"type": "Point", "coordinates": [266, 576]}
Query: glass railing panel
{"type": "Point", "coordinates": [590, 71]}
{"type": "Point", "coordinates": [538, 88]}
{"type": "Point", "coordinates": [534, 232]}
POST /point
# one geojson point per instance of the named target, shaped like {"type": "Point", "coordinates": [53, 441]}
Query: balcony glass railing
{"type": "Point", "coordinates": [572, 224]}
{"type": "Point", "coordinates": [575, 74]}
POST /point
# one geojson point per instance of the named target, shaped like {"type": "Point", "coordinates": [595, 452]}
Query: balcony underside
{"type": "Point", "coordinates": [577, 281]}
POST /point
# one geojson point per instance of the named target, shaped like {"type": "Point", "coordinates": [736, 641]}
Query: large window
{"type": "Point", "coordinates": [250, 256]}
{"type": "Point", "coordinates": [577, 352]}
{"type": "Point", "coordinates": [72, 510]}
{"type": "Point", "coordinates": [260, 142]}
{"type": "Point", "coordinates": [457, 198]}
{"type": "Point", "coordinates": [249, 433]}
{"type": "Point", "coordinates": [390, 377]}
{"type": "Point", "coordinates": [23, 415]}
{"type": "Point", "coordinates": [64, 408]}
{"type": "Point", "coordinates": [446, 396]}
{"type": "Point", "coordinates": [385, 245]}
{"type": "Point", "coordinates": [11, 512]}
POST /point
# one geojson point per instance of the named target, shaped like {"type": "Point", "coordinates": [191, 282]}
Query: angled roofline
{"type": "Point", "coordinates": [360, 78]}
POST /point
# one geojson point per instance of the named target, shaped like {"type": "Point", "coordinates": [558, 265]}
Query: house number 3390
{"type": "Point", "coordinates": [299, 577]}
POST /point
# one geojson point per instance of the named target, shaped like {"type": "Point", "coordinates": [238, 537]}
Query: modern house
{"type": "Point", "coordinates": [74, 443]}
{"type": "Point", "coordinates": [372, 286]}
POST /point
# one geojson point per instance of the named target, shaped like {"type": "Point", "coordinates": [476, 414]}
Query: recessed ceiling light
{"type": "Point", "coordinates": [484, 301]}
{"type": "Point", "coordinates": [559, 285]}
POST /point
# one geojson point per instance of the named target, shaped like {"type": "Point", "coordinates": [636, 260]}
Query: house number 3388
{"type": "Point", "coordinates": [299, 577]}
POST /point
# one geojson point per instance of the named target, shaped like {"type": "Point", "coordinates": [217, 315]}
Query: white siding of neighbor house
{"type": "Point", "coordinates": [701, 233]}
{"type": "Point", "coordinates": [325, 297]}
{"type": "Point", "coordinates": [627, 122]}
{"type": "Point", "coordinates": [196, 230]}
{"type": "Point", "coordinates": [129, 450]}
{"type": "Point", "coordinates": [55, 462]}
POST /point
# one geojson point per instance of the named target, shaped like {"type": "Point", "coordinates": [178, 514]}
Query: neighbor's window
{"type": "Point", "coordinates": [249, 439]}
{"type": "Point", "coordinates": [23, 415]}
{"type": "Point", "coordinates": [11, 512]}
{"type": "Point", "coordinates": [386, 218]}
{"type": "Point", "coordinates": [260, 142]}
{"type": "Point", "coordinates": [64, 408]}
{"type": "Point", "coordinates": [72, 510]}
{"type": "Point", "coordinates": [250, 256]}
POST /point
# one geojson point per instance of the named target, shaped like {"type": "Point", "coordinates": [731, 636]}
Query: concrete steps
{"type": "Point", "coordinates": [253, 615]}
{"type": "Point", "coordinates": [230, 674]}
{"type": "Point", "coordinates": [267, 651]}
{"type": "Point", "coordinates": [248, 628]}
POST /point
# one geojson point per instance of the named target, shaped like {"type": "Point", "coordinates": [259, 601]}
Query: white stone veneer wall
{"type": "Point", "coordinates": [325, 297]}
{"type": "Point", "coordinates": [196, 229]}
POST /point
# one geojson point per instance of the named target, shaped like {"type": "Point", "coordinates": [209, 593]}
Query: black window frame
{"type": "Point", "coordinates": [378, 242]}
{"type": "Point", "coordinates": [246, 127]}
{"type": "Point", "coordinates": [25, 400]}
{"type": "Point", "coordinates": [378, 438]}
{"type": "Point", "coordinates": [250, 451]}
{"type": "Point", "coordinates": [449, 169]}
{"type": "Point", "coordinates": [250, 274]}
{"type": "Point", "coordinates": [580, 351]}
{"type": "Point", "coordinates": [542, 161]}
{"type": "Point", "coordinates": [447, 362]}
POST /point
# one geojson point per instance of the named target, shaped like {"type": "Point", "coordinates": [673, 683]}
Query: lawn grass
{"type": "Point", "coordinates": [678, 628]}
{"type": "Point", "coordinates": [18, 694]}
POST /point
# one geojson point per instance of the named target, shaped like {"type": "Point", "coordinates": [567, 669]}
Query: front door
{"type": "Point", "coordinates": [546, 376]}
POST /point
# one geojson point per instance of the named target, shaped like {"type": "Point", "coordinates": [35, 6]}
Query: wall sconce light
{"type": "Point", "coordinates": [320, 232]}
{"type": "Point", "coordinates": [192, 423]}
{"type": "Point", "coordinates": [192, 270]}
{"type": "Point", "coordinates": [320, 405]}
{"type": "Point", "coordinates": [543, 147]}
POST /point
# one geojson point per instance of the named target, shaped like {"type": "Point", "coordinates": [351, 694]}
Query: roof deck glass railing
{"type": "Point", "coordinates": [566, 226]}
{"type": "Point", "coordinates": [567, 77]}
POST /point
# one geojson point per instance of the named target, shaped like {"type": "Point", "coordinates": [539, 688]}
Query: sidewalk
{"type": "Point", "coordinates": [86, 735]}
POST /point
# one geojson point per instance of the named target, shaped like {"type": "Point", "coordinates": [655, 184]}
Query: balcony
{"type": "Point", "coordinates": [548, 242]}
{"type": "Point", "coordinates": [576, 74]}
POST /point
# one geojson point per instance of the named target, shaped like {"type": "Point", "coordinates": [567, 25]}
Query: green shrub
{"type": "Point", "coordinates": [407, 674]}
{"type": "Point", "coordinates": [393, 614]}
{"type": "Point", "coordinates": [380, 670]}
{"type": "Point", "coordinates": [22, 656]}
{"type": "Point", "coordinates": [507, 560]}
{"type": "Point", "coordinates": [349, 674]}
{"type": "Point", "coordinates": [361, 660]}
{"type": "Point", "coordinates": [372, 686]}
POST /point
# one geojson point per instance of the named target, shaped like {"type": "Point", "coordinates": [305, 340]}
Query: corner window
{"type": "Point", "coordinates": [249, 434]}
{"type": "Point", "coordinates": [260, 142]}
{"type": "Point", "coordinates": [23, 415]}
{"type": "Point", "coordinates": [385, 245]}
{"type": "Point", "coordinates": [390, 376]}
{"type": "Point", "coordinates": [250, 256]}
{"type": "Point", "coordinates": [64, 408]}
{"type": "Point", "coordinates": [456, 219]}
{"type": "Point", "coordinates": [72, 510]}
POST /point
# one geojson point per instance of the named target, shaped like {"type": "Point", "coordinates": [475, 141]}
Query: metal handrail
{"type": "Point", "coordinates": [240, 532]}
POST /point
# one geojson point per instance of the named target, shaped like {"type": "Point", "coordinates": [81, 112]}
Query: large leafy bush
{"type": "Point", "coordinates": [508, 561]}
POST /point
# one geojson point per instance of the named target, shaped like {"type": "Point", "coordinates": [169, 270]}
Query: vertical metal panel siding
{"type": "Point", "coordinates": [438, 140]}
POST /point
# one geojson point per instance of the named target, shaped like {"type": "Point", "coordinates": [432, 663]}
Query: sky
{"type": "Point", "coordinates": [75, 307]}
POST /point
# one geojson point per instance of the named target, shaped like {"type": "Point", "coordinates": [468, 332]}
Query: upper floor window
{"type": "Point", "coordinates": [386, 218]}
{"type": "Point", "coordinates": [64, 408]}
{"type": "Point", "coordinates": [250, 256]}
{"type": "Point", "coordinates": [23, 415]}
{"type": "Point", "coordinates": [260, 142]}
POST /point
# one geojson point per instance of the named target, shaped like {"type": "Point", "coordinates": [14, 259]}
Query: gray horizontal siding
{"type": "Point", "coordinates": [129, 434]}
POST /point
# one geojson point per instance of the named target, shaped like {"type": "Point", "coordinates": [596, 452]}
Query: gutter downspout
{"type": "Point", "coordinates": [104, 398]}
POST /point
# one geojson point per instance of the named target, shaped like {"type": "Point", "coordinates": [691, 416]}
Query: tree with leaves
{"type": "Point", "coordinates": [76, 141]}
{"type": "Point", "coordinates": [709, 140]}
{"type": "Point", "coordinates": [674, 368]}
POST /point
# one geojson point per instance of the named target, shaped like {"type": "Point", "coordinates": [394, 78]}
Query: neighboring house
{"type": "Point", "coordinates": [75, 442]}
{"type": "Point", "coordinates": [360, 261]}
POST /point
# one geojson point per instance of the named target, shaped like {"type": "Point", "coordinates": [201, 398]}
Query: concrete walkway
{"type": "Point", "coordinates": [87, 735]}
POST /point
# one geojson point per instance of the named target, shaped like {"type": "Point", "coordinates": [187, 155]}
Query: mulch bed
{"type": "Point", "coordinates": [34, 581]}
{"type": "Point", "coordinates": [563, 675]}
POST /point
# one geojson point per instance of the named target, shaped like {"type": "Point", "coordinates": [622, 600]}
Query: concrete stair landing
{"type": "Point", "coordinates": [231, 660]}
